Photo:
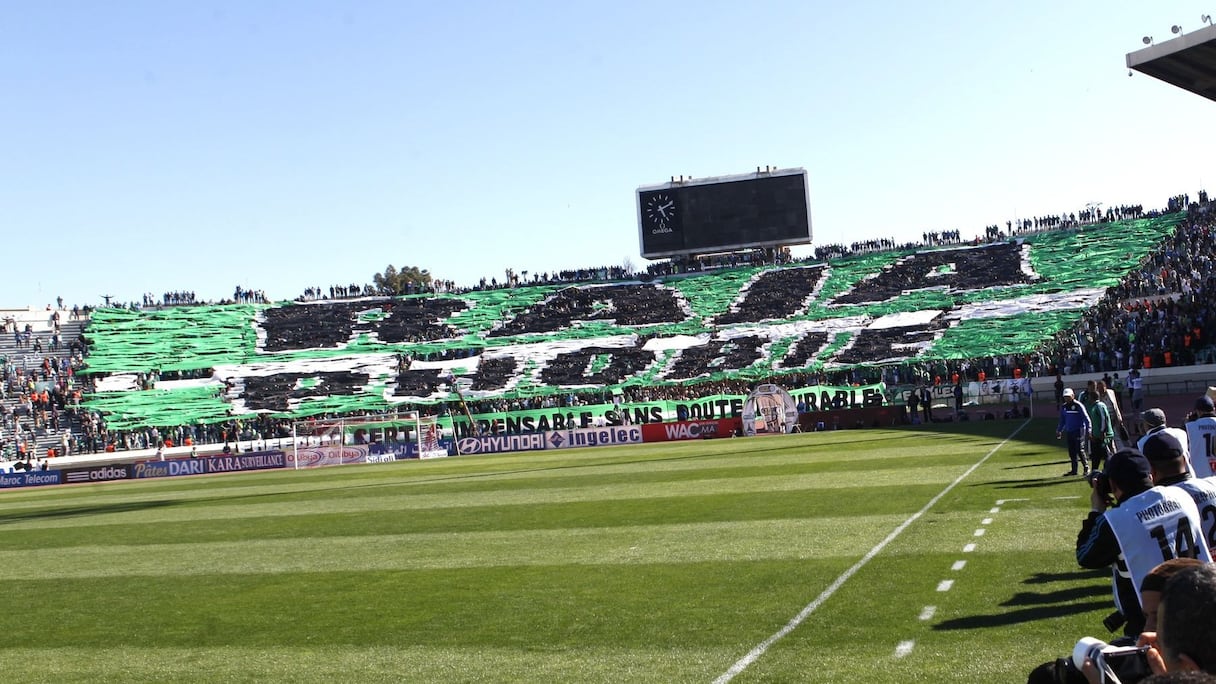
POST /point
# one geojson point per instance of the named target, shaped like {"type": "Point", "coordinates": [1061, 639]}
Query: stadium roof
{"type": "Point", "coordinates": [1188, 61]}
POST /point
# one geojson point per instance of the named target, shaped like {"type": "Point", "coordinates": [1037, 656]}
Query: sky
{"type": "Point", "coordinates": [170, 146]}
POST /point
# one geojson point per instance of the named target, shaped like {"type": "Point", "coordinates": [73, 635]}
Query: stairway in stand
{"type": "Point", "coordinates": [24, 357]}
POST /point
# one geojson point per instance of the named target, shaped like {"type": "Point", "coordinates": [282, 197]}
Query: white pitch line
{"type": "Point", "coordinates": [945, 585]}
{"type": "Point", "coordinates": [904, 648]}
{"type": "Point", "coordinates": [969, 548]}
{"type": "Point", "coordinates": [995, 509]}
{"type": "Point", "coordinates": [1063, 498]}
{"type": "Point", "coordinates": [927, 613]}
{"type": "Point", "coordinates": [986, 521]}
{"type": "Point", "coordinates": [760, 649]}
{"type": "Point", "coordinates": [958, 565]}
{"type": "Point", "coordinates": [980, 532]}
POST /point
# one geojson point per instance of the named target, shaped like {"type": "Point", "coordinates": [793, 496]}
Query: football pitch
{"type": "Point", "coordinates": [910, 555]}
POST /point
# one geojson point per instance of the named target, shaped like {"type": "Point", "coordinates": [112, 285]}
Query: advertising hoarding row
{"type": "Point", "coordinates": [380, 452]}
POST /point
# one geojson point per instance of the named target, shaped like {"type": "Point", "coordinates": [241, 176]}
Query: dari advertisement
{"type": "Point", "coordinates": [207, 465]}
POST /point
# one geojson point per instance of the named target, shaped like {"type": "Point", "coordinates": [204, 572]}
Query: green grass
{"type": "Point", "coordinates": [657, 563]}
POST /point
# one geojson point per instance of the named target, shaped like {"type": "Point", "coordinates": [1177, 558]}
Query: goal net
{"type": "Point", "coordinates": [430, 436]}
{"type": "Point", "coordinates": [366, 439]}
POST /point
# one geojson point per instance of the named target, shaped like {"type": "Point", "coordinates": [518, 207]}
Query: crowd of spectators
{"type": "Point", "coordinates": [244, 295]}
{"type": "Point", "coordinates": [839, 251]}
{"type": "Point", "coordinates": [315, 293]}
{"type": "Point", "coordinates": [174, 298]}
{"type": "Point", "coordinates": [1160, 315]}
{"type": "Point", "coordinates": [627, 304]}
{"type": "Point", "coordinates": [700, 263]}
{"type": "Point", "coordinates": [241, 295]}
{"type": "Point", "coordinates": [39, 393]}
{"type": "Point", "coordinates": [511, 278]}
{"type": "Point", "coordinates": [258, 430]}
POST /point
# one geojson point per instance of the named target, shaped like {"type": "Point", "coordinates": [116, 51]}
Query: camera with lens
{"type": "Point", "coordinates": [1116, 664]}
{"type": "Point", "coordinates": [1099, 481]}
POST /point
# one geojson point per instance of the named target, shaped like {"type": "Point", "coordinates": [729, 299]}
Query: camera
{"type": "Point", "coordinates": [1099, 481]}
{"type": "Point", "coordinates": [1116, 664]}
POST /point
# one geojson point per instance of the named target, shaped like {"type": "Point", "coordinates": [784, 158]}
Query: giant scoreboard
{"type": "Point", "coordinates": [706, 215]}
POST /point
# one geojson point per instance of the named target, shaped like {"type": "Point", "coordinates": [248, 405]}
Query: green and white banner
{"type": "Point", "coordinates": [739, 326]}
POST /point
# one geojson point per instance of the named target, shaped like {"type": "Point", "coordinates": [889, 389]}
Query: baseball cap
{"type": "Point", "coordinates": [1130, 470]}
{"type": "Point", "coordinates": [1205, 404]}
{"type": "Point", "coordinates": [1162, 446]}
{"type": "Point", "coordinates": [1153, 417]}
{"type": "Point", "coordinates": [1068, 392]}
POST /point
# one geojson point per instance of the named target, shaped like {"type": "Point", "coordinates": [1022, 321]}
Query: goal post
{"type": "Point", "coordinates": [318, 440]}
{"type": "Point", "coordinates": [366, 439]}
{"type": "Point", "coordinates": [428, 436]}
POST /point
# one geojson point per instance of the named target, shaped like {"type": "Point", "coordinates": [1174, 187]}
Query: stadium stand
{"type": "Point", "coordinates": [626, 305]}
{"type": "Point", "coordinates": [774, 295]}
{"type": "Point", "coordinates": [1064, 295]}
{"type": "Point", "coordinates": [40, 352]}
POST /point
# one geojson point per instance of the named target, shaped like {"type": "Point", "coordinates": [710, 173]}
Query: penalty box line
{"type": "Point", "coordinates": [753, 655]}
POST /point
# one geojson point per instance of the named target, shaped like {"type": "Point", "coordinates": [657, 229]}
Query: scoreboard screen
{"type": "Point", "coordinates": [721, 214]}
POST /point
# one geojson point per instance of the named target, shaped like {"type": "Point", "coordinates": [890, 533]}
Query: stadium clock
{"type": "Point", "coordinates": [661, 211]}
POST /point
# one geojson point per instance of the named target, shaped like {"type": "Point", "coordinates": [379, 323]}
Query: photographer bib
{"type": "Point", "coordinates": [1201, 445]}
{"type": "Point", "coordinates": [1203, 492]}
{"type": "Point", "coordinates": [1155, 526]}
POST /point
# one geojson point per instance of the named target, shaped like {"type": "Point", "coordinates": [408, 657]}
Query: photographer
{"type": "Point", "coordinates": [1146, 525]}
{"type": "Point", "coordinates": [1186, 639]}
{"type": "Point", "coordinates": [1154, 423]}
{"type": "Point", "coordinates": [1201, 437]}
{"type": "Point", "coordinates": [1132, 667]}
{"type": "Point", "coordinates": [1168, 458]}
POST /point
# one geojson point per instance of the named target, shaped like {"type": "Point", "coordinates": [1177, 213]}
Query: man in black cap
{"type": "Point", "coordinates": [1146, 526]}
{"type": "Point", "coordinates": [1154, 422]}
{"type": "Point", "coordinates": [1201, 437]}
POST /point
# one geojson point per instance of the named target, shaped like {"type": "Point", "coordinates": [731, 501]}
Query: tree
{"type": "Point", "coordinates": [398, 282]}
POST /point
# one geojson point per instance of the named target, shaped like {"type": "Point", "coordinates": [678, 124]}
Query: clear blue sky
{"type": "Point", "coordinates": [154, 146]}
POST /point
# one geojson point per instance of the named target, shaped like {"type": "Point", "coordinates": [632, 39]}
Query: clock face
{"type": "Point", "coordinates": [660, 210]}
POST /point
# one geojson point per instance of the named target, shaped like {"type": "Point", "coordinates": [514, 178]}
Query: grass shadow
{"type": "Point", "coordinates": [1048, 577]}
{"type": "Point", "coordinates": [1060, 462]}
{"type": "Point", "coordinates": [1032, 606]}
{"type": "Point", "coordinates": [1018, 617]}
{"type": "Point", "coordinates": [81, 511]}
{"type": "Point", "coordinates": [1030, 598]}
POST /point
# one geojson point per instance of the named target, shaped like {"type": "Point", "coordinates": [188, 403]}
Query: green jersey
{"type": "Point", "coordinates": [1103, 429]}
